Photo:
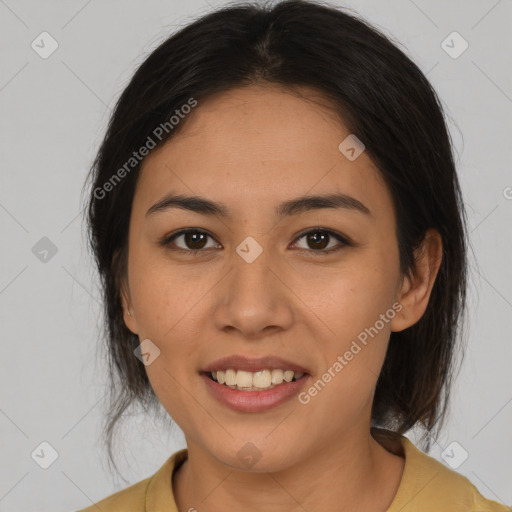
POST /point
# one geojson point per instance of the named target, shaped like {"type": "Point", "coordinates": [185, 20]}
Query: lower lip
{"type": "Point", "coordinates": [254, 401]}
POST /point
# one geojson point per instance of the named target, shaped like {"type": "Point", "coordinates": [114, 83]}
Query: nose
{"type": "Point", "coordinates": [254, 298]}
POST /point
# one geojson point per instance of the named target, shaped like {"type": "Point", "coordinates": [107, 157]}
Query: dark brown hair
{"type": "Point", "coordinates": [382, 97]}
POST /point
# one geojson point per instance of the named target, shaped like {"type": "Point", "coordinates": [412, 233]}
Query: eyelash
{"type": "Point", "coordinates": [167, 240]}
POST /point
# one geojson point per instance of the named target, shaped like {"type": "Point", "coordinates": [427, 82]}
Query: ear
{"type": "Point", "coordinates": [414, 291]}
{"type": "Point", "coordinates": [129, 317]}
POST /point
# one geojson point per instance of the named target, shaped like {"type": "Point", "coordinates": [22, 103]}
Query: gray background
{"type": "Point", "coordinates": [53, 115]}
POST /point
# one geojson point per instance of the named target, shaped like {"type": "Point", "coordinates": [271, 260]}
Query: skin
{"type": "Point", "coordinates": [251, 149]}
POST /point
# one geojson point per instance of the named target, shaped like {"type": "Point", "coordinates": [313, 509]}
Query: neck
{"type": "Point", "coordinates": [357, 474]}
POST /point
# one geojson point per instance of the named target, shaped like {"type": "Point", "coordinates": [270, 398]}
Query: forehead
{"type": "Point", "coordinates": [258, 143]}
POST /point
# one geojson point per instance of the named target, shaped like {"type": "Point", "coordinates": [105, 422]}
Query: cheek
{"type": "Point", "coordinates": [352, 358]}
{"type": "Point", "coordinates": [353, 298]}
{"type": "Point", "coordinates": [356, 306]}
{"type": "Point", "coordinates": [166, 299]}
{"type": "Point", "coordinates": [167, 306]}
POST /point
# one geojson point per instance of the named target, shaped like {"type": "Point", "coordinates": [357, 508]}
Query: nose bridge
{"type": "Point", "coordinates": [251, 279]}
{"type": "Point", "coordinates": [253, 298]}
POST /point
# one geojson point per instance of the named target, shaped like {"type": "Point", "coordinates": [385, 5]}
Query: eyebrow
{"type": "Point", "coordinates": [290, 207]}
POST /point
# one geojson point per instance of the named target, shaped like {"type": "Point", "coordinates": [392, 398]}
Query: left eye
{"type": "Point", "coordinates": [317, 239]}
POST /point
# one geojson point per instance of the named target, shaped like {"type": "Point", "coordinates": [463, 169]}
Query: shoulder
{"type": "Point", "coordinates": [130, 499]}
{"type": "Point", "coordinates": [427, 484]}
{"type": "Point", "coordinates": [154, 492]}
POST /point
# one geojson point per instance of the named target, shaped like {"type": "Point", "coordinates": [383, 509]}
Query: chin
{"type": "Point", "coordinates": [257, 456]}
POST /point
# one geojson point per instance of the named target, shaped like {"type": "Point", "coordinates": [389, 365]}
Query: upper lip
{"type": "Point", "coordinates": [239, 362]}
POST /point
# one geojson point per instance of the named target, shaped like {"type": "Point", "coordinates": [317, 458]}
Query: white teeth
{"type": "Point", "coordinates": [277, 376]}
{"type": "Point", "coordinates": [288, 375]}
{"type": "Point", "coordinates": [262, 379]}
{"type": "Point", "coordinates": [243, 379]}
{"type": "Point", "coordinates": [231, 377]}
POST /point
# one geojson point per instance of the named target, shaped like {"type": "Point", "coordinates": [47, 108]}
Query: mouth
{"type": "Point", "coordinates": [254, 391]}
{"type": "Point", "coordinates": [261, 380]}
{"type": "Point", "coordinates": [256, 374]}
{"type": "Point", "coordinates": [254, 385]}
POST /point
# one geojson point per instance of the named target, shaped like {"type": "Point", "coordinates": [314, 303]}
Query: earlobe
{"type": "Point", "coordinates": [415, 290]}
{"type": "Point", "coordinates": [129, 318]}
{"type": "Point", "coordinates": [120, 272]}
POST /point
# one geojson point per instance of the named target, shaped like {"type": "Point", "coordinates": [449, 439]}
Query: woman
{"type": "Point", "coordinates": [278, 225]}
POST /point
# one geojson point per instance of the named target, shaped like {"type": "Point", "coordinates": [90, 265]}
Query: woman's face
{"type": "Point", "coordinates": [258, 286]}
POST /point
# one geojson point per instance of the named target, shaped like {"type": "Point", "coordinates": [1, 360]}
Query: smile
{"type": "Point", "coordinates": [251, 398]}
{"type": "Point", "coordinates": [254, 381]}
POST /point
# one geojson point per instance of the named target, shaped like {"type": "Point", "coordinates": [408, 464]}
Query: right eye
{"type": "Point", "coordinates": [193, 240]}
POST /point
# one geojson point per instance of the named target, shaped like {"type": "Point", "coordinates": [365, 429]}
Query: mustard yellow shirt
{"type": "Point", "coordinates": [426, 486]}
